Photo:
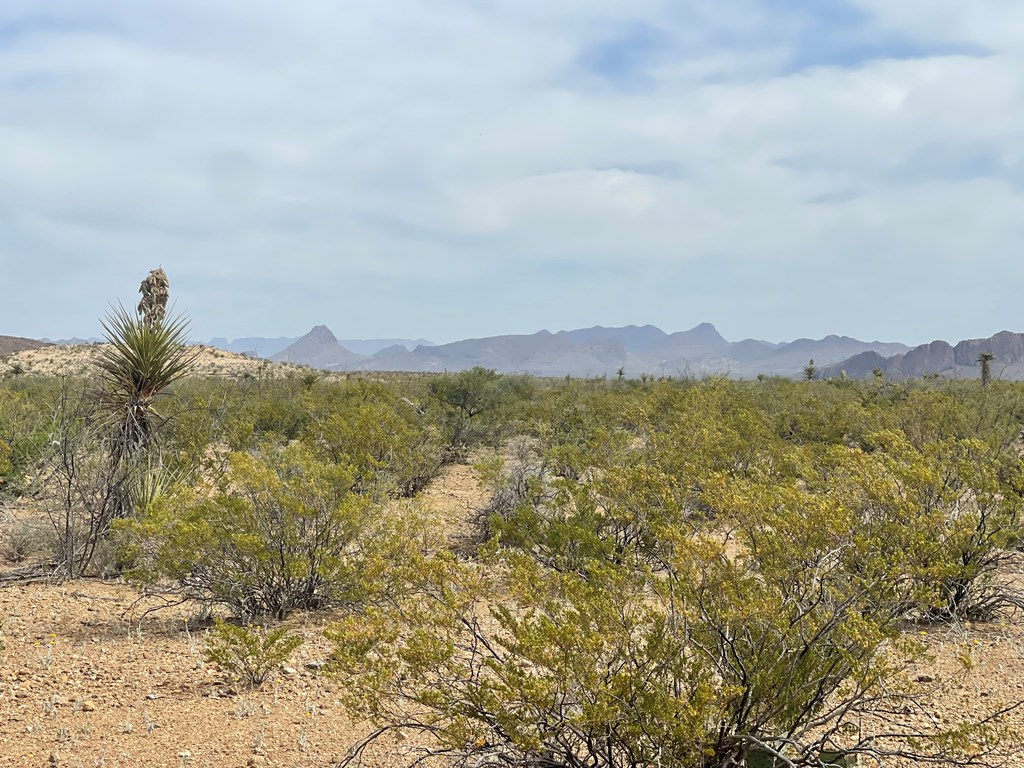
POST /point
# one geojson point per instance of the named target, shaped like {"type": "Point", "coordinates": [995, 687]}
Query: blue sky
{"type": "Point", "coordinates": [780, 168]}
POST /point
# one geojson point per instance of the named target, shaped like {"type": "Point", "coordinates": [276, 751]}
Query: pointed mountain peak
{"type": "Point", "coordinates": [318, 348]}
{"type": "Point", "coordinates": [322, 335]}
{"type": "Point", "coordinates": [705, 333]}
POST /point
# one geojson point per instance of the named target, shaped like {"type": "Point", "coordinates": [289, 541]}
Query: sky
{"type": "Point", "coordinates": [457, 168]}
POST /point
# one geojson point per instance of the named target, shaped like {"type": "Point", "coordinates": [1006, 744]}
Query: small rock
{"type": "Point", "coordinates": [256, 761]}
{"type": "Point", "coordinates": [922, 678]}
{"type": "Point", "coordinates": [315, 666]}
{"type": "Point", "coordinates": [289, 670]}
{"type": "Point", "coordinates": [54, 758]}
{"type": "Point", "coordinates": [88, 706]}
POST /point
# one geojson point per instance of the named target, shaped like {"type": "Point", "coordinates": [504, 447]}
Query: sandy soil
{"type": "Point", "coordinates": [84, 684]}
{"type": "Point", "coordinates": [454, 503]}
{"type": "Point", "coordinates": [81, 681]}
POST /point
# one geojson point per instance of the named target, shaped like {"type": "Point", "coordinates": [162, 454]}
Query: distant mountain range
{"type": "Point", "coordinates": [74, 341]}
{"type": "Point", "coordinates": [636, 350]}
{"type": "Point", "coordinates": [593, 351]}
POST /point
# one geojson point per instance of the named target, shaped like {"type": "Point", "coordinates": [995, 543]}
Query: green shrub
{"type": "Point", "coordinates": [282, 531]}
{"type": "Point", "coordinates": [24, 433]}
{"type": "Point", "coordinates": [249, 654]}
{"type": "Point", "coordinates": [709, 663]}
{"type": "Point", "coordinates": [382, 437]}
{"type": "Point", "coordinates": [466, 400]}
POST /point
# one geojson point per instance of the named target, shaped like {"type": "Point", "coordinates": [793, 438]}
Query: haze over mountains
{"type": "Point", "coordinates": [261, 347]}
{"type": "Point", "coordinates": [637, 350]}
{"type": "Point", "coordinates": [584, 352]}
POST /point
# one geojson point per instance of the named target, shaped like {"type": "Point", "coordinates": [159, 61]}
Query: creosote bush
{"type": "Point", "coordinates": [250, 654]}
{"type": "Point", "coordinates": [386, 441]}
{"type": "Point", "coordinates": [281, 531]}
{"type": "Point", "coordinates": [708, 663]}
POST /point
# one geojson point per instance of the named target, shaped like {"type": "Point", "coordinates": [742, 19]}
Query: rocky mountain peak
{"type": "Point", "coordinates": [321, 334]}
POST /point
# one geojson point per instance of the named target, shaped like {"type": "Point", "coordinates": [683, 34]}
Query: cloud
{"type": "Point", "coordinates": [384, 158]}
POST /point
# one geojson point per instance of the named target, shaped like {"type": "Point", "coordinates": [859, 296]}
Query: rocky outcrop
{"type": "Point", "coordinates": [1006, 346]}
{"type": "Point", "coordinates": [936, 357]}
{"type": "Point", "coordinates": [942, 358]}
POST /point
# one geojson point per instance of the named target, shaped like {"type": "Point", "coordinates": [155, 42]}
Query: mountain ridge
{"type": "Point", "coordinates": [941, 358]}
{"type": "Point", "coordinates": [594, 351]}
{"type": "Point", "coordinates": [319, 349]}
{"type": "Point", "coordinates": [635, 350]}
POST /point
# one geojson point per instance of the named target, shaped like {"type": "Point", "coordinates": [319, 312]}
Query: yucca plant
{"type": "Point", "coordinates": [985, 361]}
{"type": "Point", "coordinates": [140, 362]}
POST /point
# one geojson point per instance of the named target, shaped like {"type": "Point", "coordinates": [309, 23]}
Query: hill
{"type": "Point", "coordinates": [78, 360]}
{"type": "Point", "coordinates": [11, 344]}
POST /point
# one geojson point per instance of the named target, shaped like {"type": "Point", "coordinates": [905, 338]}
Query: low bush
{"type": "Point", "coordinates": [281, 531]}
{"type": "Point", "coordinates": [387, 442]}
{"type": "Point", "coordinates": [22, 540]}
{"type": "Point", "coordinates": [251, 655]}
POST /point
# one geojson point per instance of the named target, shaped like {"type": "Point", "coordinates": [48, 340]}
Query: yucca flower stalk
{"type": "Point", "coordinates": [155, 290]}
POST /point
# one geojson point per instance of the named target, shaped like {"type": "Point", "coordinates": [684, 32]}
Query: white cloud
{"type": "Point", "coordinates": [399, 141]}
